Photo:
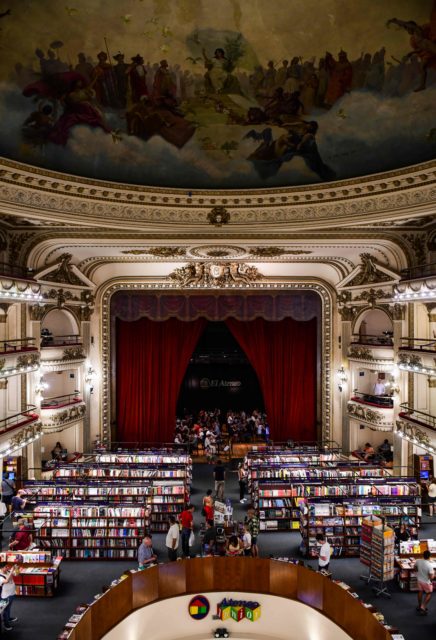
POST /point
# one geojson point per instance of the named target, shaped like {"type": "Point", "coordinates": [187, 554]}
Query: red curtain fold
{"type": "Point", "coordinates": [152, 358]}
{"type": "Point", "coordinates": [283, 355]}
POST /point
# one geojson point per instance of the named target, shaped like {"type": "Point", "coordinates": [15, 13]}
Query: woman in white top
{"type": "Point", "coordinates": [431, 496]}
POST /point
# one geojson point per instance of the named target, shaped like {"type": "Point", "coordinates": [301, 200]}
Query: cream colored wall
{"type": "Point", "coordinates": [281, 619]}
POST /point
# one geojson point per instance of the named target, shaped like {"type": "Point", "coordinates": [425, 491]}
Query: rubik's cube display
{"type": "Point", "coordinates": [238, 610]}
{"type": "Point", "coordinates": [199, 607]}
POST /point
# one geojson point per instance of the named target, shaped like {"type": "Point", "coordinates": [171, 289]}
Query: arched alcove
{"type": "Point", "coordinates": [60, 322]}
{"type": "Point", "coordinates": [373, 322]}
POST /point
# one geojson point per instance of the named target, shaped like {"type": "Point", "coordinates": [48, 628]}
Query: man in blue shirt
{"type": "Point", "coordinates": [146, 555]}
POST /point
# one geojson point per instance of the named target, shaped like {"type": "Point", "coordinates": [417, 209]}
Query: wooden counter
{"type": "Point", "coordinates": [248, 575]}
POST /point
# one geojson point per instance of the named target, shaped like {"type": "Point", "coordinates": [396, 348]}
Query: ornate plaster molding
{"type": "Point", "coordinates": [215, 275]}
{"type": "Point", "coordinates": [105, 293]}
{"type": "Point", "coordinates": [63, 418]}
{"type": "Point", "coordinates": [53, 196]}
{"type": "Point", "coordinates": [383, 421]}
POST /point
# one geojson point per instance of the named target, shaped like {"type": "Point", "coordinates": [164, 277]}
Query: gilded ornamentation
{"type": "Point", "coordinates": [31, 431]}
{"type": "Point", "coordinates": [37, 312]}
{"type": "Point", "coordinates": [362, 353]}
{"type": "Point", "coordinates": [160, 252]}
{"type": "Point", "coordinates": [218, 216]}
{"type": "Point", "coordinates": [369, 272]}
{"type": "Point", "coordinates": [418, 242]}
{"type": "Point", "coordinates": [3, 384]}
{"type": "Point", "coordinates": [348, 314]}
{"type": "Point", "coordinates": [372, 296]}
{"type": "Point", "coordinates": [413, 432]}
{"type": "Point", "coordinates": [16, 243]}
{"type": "Point", "coordinates": [217, 251]}
{"type": "Point", "coordinates": [373, 417]}
{"type": "Point", "coordinates": [274, 252]}
{"type": "Point", "coordinates": [409, 359]}
{"type": "Point", "coordinates": [73, 353]}
{"type": "Point", "coordinates": [398, 311]}
{"type": "Point", "coordinates": [64, 273]}
{"type": "Point", "coordinates": [2, 363]}
{"type": "Point", "coordinates": [28, 360]}
{"type": "Point", "coordinates": [60, 295]}
{"type": "Point", "coordinates": [64, 417]}
{"type": "Point", "coordinates": [220, 274]}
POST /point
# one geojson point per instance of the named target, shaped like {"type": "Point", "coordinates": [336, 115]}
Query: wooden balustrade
{"type": "Point", "coordinates": [247, 575]}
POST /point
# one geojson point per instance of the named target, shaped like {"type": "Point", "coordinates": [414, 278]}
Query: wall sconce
{"type": "Point", "coordinates": [342, 377]}
{"type": "Point", "coordinates": [89, 378]}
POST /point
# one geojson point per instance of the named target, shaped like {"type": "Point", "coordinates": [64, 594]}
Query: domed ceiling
{"type": "Point", "coordinates": [228, 94]}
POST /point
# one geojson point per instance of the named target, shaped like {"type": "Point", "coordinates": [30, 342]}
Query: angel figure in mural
{"type": "Point", "coordinates": [422, 41]}
{"type": "Point", "coordinates": [299, 139]}
{"type": "Point", "coordinates": [218, 77]}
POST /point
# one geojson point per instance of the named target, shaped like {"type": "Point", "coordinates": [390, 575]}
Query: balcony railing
{"type": "Point", "coordinates": [420, 271]}
{"type": "Point", "coordinates": [382, 340]}
{"type": "Point", "coordinates": [419, 417]}
{"type": "Point", "coordinates": [17, 345]}
{"type": "Point", "coordinates": [60, 401]}
{"type": "Point", "coordinates": [61, 341]}
{"type": "Point", "coordinates": [418, 344]}
{"type": "Point", "coordinates": [19, 419]}
{"type": "Point", "coordinates": [383, 402]}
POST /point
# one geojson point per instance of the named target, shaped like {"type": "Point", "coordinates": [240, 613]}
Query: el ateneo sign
{"type": "Point", "coordinates": [208, 383]}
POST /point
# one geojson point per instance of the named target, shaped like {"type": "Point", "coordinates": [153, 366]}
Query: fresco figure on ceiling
{"type": "Point", "coordinates": [164, 86]}
{"type": "Point", "coordinates": [84, 67]}
{"type": "Point", "coordinates": [78, 110]}
{"type": "Point", "coordinates": [300, 139]}
{"type": "Point", "coordinates": [138, 79]}
{"type": "Point", "coordinates": [423, 43]}
{"type": "Point", "coordinates": [121, 78]}
{"type": "Point", "coordinates": [340, 77]}
{"type": "Point", "coordinates": [218, 77]}
{"type": "Point", "coordinates": [103, 81]}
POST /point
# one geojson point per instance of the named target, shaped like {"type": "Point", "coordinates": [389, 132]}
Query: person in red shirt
{"type": "Point", "coordinates": [186, 519]}
{"type": "Point", "coordinates": [22, 539]}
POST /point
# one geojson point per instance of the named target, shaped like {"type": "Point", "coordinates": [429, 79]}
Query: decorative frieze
{"type": "Point", "coordinates": [380, 420]}
{"type": "Point", "coordinates": [215, 275]}
{"type": "Point", "coordinates": [60, 419]}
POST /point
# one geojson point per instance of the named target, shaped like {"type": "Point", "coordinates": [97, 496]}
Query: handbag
{"type": "Point", "coordinates": [191, 539]}
{"type": "Point", "coordinates": [3, 509]}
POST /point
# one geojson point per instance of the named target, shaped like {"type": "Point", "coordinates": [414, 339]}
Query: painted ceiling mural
{"type": "Point", "coordinates": [218, 94]}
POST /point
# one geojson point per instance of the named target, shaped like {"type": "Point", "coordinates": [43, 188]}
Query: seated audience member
{"type": "Point", "coordinates": [57, 451]}
{"type": "Point", "coordinates": [209, 538]}
{"type": "Point", "coordinates": [19, 502]}
{"type": "Point", "coordinates": [368, 452]}
{"type": "Point", "coordinates": [234, 547]}
{"type": "Point", "coordinates": [22, 538]}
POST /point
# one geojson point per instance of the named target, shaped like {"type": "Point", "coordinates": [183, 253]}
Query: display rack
{"type": "Point", "coordinates": [341, 521]}
{"type": "Point", "coordinates": [12, 466]}
{"type": "Point", "coordinates": [378, 553]}
{"type": "Point", "coordinates": [423, 467]}
{"type": "Point", "coordinates": [38, 573]}
{"type": "Point", "coordinates": [279, 501]}
{"type": "Point", "coordinates": [92, 532]}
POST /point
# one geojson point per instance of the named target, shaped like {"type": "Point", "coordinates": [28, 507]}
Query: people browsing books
{"type": "Point", "coordinates": [324, 552]}
{"type": "Point", "coordinates": [172, 539]}
{"type": "Point", "coordinates": [425, 575]}
{"type": "Point", "coordinates": [146, 554]}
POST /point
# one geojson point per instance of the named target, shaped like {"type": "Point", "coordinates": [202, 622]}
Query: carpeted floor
{"type": "Point", "coordinates": [43, 618]}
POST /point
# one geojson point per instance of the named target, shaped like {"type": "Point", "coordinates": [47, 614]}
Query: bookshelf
{"type": "Point", "coordinates": [162, 497]}
{"type": "Point", "coordinates": [378, 553]}
{"type": "Point", "coordinates": [38, 573]}
{"type": "Point", "coordinates": [88, 531]}
{"type": "Point", "coordinates": [410, 551]}
{"type": "Point", "coordinates": [342, 522]}
{"type": "Point", "coordinates": [279, 501]}
{"type": "Point", "coordinates": [423, 467]}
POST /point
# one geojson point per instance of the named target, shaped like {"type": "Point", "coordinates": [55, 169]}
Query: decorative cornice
{"type": "Point", "coordinates": [377, 419]}
{"type": "Point", "coordinates": [63, 418]}
{"type": "Point", "coordinates": [360, 353]}
{"type": "Point", "coordinates": [48, 195]}
{"type": "Point", "coordinates": [215, 275]}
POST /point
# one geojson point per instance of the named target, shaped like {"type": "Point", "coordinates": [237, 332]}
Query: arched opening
{"type": "Point", "coordinates": [373, 323]}
{"type": "Point", "coordinates": [59, 326]}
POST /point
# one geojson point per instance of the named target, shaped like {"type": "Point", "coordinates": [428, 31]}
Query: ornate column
{"type": "Point", "coordinates": [431, 311]}
{"type": "Point", "coordinates": [86, 388]}
{"type": "Point", "coordinates": [348, 315]}
{"type": "Point", "coordinates": [398, 316]}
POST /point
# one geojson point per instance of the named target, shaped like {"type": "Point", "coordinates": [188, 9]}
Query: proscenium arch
{"type": "Point", "coordinates": [323, 290]}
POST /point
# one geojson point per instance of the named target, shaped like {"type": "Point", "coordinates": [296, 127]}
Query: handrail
{"type": "Point", "coordinates": [60, 401]}
{"type": "Point", "coordinates": [425, 419]}
{"type": "Point", "coordinates": [13, 421]}
{"type": "Point", "coordinates": [385, 401]}
{"type": "Point", "coordinates": [414, 343]}
{"type": "Point", "coordinates": [381, 340]}
{"type": "Point", "coordinates": [245, 575]}
{"type": "Point", "coordinates": [60, 341]}
{"type": "Point", "coordinates": [17, 344]}
{"type": "Point", "coordinates": [419, 271]}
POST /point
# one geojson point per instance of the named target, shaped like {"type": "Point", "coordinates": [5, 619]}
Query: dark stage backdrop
{"type": "Point", "coordinates": [152, 357]}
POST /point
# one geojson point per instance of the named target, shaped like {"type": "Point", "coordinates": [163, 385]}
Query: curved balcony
{"type": "Point", "coordinates": [417, 283]}
{"type": "Point", "coordinates": [372, 348]}
{"type": "Point", "coordinates": [17, 284]}
{"type": "Point", "coordinates": [19, 420]}
{"type": "Point", "coordinates": [384, 339]}
{"type": "Point", "coordinates": [68, 340]}
{"type": "Point", "coordinates": [417, 355]}
{"type": "Point", "coordinates": [378, 417]}
{"type": "Point", "coordinates": [417, 417]}
{"type": "Point", "coordinates": [418, 344]}
{"type": "Point", "coordinates": [18, 345]}
{"type": "Point", "coordinates": [60, 412]}
{"type": "Point", "coordinates": [56, 402]}
{"type": "Point", "coordinates": [61, 352]}
{"type": "Point", "coordinates": [284, 591]}
{"type": "Point", "coordinates": [381, 402]}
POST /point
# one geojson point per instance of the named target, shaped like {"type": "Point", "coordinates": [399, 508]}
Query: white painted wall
{"type": "Point", "coordinates": [281, 619]}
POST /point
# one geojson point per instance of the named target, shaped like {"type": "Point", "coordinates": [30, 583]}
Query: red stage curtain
{"type": "Point", "coordinates": [152, 358]}
{"type": "Point", "coordinates": [283, 355]}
